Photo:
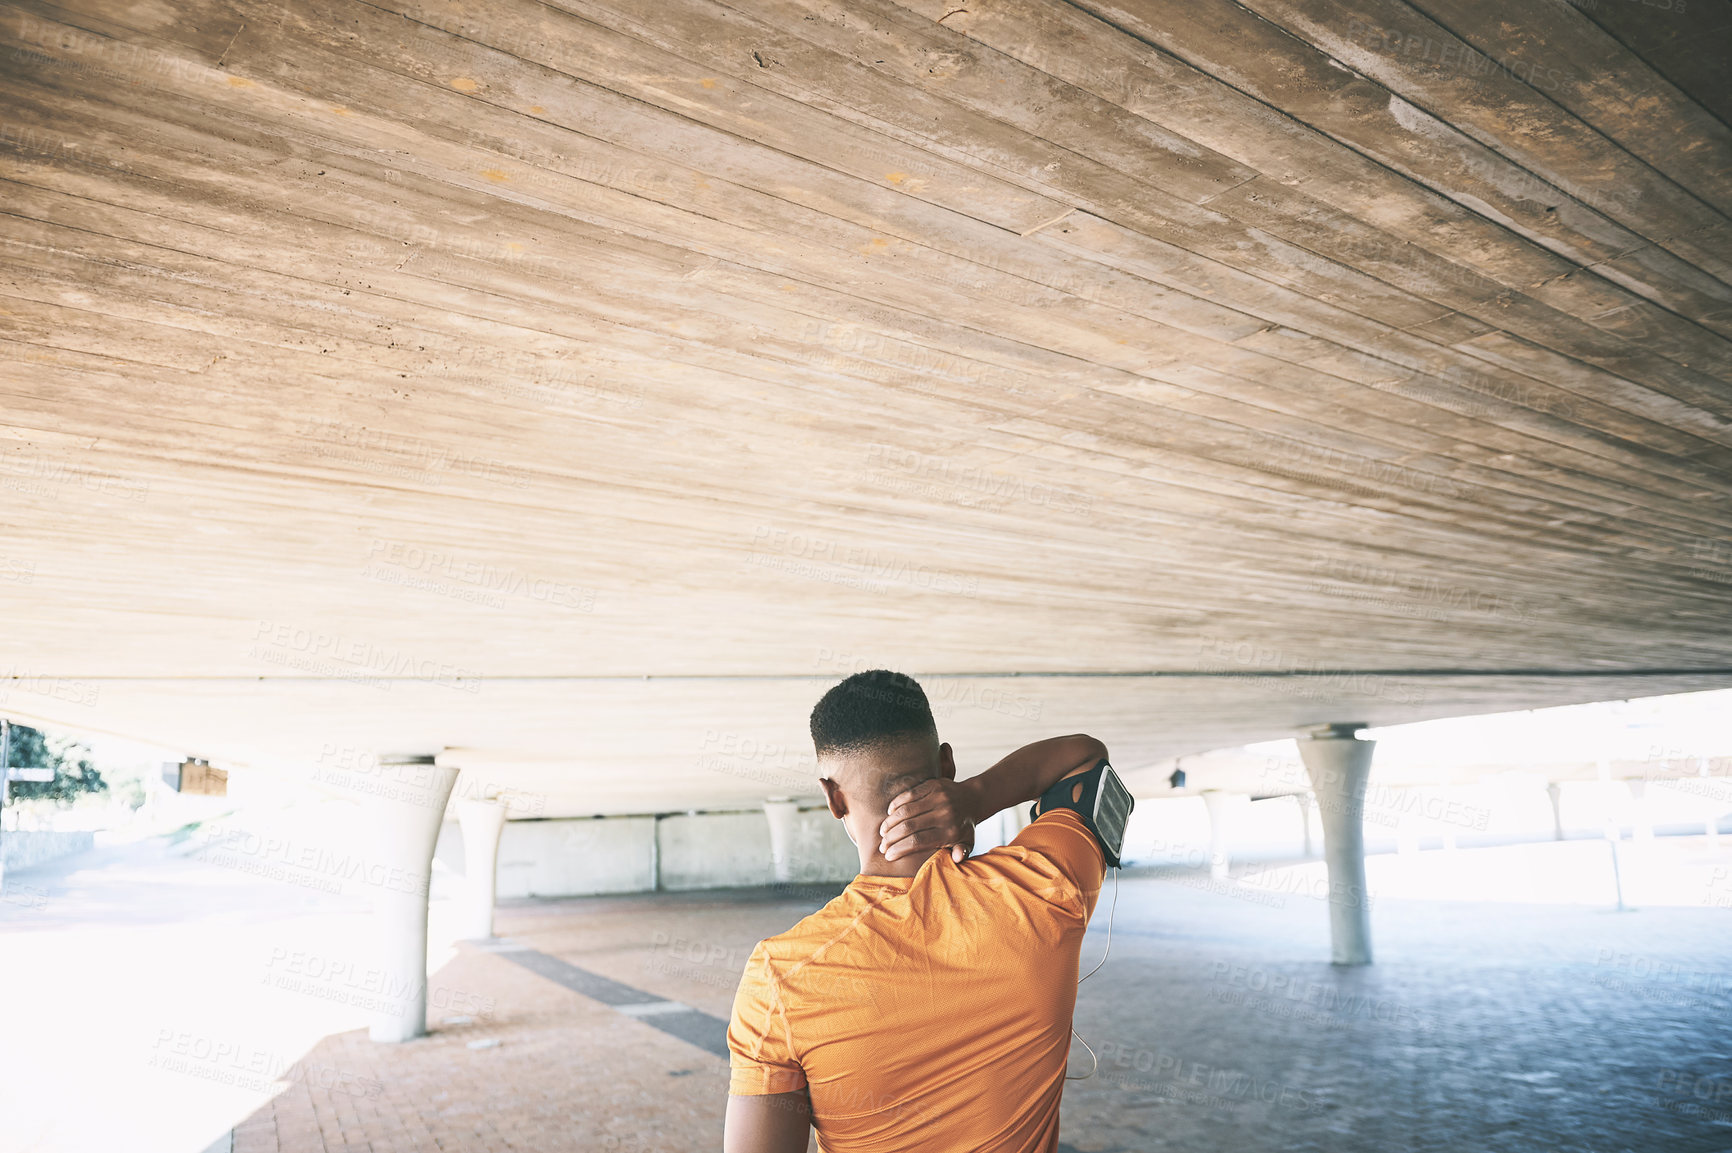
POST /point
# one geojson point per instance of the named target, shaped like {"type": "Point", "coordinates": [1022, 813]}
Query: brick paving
{"type": "Point", "coordinates": [1483, 1027]}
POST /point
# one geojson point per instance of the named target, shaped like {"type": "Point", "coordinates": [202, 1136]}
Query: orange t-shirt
{"type": "Point", "coordinates": [930, 1012]}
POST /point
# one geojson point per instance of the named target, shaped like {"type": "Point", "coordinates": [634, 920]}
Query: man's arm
{"type": "Point", "coordinates": [933, 813]}
{"type": "Point", "coordinates": [771, 1123]}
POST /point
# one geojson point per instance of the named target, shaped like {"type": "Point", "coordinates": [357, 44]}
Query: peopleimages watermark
{"type": "Point", "coordinates": [1695, 1095]}
{"type": "Point", "coordinates": [1381, 804]}
{"type": "Point", "coordinates": [861, 352]}
{"type": "Point", "coordinates": [1451, 56]}
{"type": "Point", "coordinates": [314, 651]}
{"type": "Point", "coordinates": [940, 478]}
{"type": "Point", "coordinates": [1268, 885]}
{"type": "Point", "coordinates": [361, 770]}
{"type": "Point", "coordinates": [1692, 774]}
{"type": "Point", "coordinates": [1302, 677]}
{"type": "Point", "coordinates": [413, 233]}
{"type": "Point", "coordinates": [33, 141]}
{"type": "Point", "coordinates": [1410, 594]}
{"type": "Point", "coordinates": [1713, 560]}
{"type": "Point", "coordinates": [789, 768]}
{"type": "Point", "coordinates": [1653, 979]}
{"type": "Point", "coordinates": [810, 557]}
{"type": "Point", "coordinates": [68, 690]}
{"type": "Point", "coordinates": [1485, 394]}
{"type": "Point", "coordinates": [718, 965]}
{"type": "Point", "coordinates": [1331, 467]}
{"type": "Point", "coordinates": [442, 572]}
{"type": "Point", "coordinates": [230, 1062]}
{"type": "Point", "coordinates": [101, 55]}
{"type": "Point", "coordinates": [1678, 759]}
{"type": "Point", "coordinates": [306, 865]}
{"type": "Point", "coordinates": [346, 981]}
{"type": "Point", "coordinates": [945, 695]}
{"type": "Point", "coordinates": [698, 951]}
{"type": "Point", "coordinates": [1301, 882]}
{"type": "Point", "coordinates": [35, 474]}
{"type": "Point", "coordinates": [1286, 995]}
{"type": "Point", "coordinates": [400, 455]}
{"type": "Point", "coordinates": [539, 377]}
{"type": "Point", "coordinates": [28, 896]}
{"type": "Point", "coordinates": [1195, 1083]}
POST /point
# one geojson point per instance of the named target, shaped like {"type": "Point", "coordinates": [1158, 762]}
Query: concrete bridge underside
{"type": "Point", "coordinates": [574, 389]}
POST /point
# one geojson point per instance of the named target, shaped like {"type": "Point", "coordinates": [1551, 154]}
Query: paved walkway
{"type": "Point", "coordinates": [520, 1059]}
{"type": "Point", "coordinates": [1485, 1027]}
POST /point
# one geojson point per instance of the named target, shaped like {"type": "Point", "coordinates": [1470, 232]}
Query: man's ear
{"type": "Point", "coordinates": [946, 762]}
{"type": "Point", "coordinates": [834, 798]}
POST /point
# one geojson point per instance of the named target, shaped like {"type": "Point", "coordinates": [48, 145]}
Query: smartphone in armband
{"type": "Point", "coordinates": [1100, 799]}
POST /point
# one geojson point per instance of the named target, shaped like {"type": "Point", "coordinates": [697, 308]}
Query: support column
{"type": "Point", "coordinates": [1339, 765]}
{"type": "Point", "coordinates": [1220, 832]}
{"type": "Point", "coordinates": [482, 823]}
{"type": "Point", "coordinates": [403, 830]}
{"type": "Point", "coordinates": [1641, 819]}
{"type": "Point", "coordinates": [781, 812]}
{"type": "Point", "coordinates": [1555, 792]}
{"type": "Point", "coordinates": [1305, 802]}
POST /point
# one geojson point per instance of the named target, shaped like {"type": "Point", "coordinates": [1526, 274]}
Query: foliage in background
{"type": "Point", "coordinates": [73, 773]}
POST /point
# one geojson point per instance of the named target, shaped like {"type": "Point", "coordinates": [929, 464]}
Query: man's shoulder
{"type": "Point", "coordinates": [1054, 858]}
{"type": "Point", "coordinates": [801, 939]}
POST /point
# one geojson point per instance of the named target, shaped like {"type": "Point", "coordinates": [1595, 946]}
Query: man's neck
{"type": "Point", "coordinates": [872, 862]}
{"type": "Point", "coordinates": [877, 866]}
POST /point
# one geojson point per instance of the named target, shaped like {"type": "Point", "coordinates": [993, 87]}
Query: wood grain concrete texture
{"type": "Point", "coordinates": [414, 376]}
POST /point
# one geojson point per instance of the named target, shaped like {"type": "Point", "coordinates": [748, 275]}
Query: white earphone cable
{"type": "Point", "coordinates": [1112, 910]}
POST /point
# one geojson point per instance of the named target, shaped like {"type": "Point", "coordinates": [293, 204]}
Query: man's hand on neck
{"type": "Point", "coordinates": [859, 785]}
{"type": "Point", "coordinates": [936, 814]}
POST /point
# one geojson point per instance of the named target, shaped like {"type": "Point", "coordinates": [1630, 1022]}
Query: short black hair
{"type": "Point", "coordinates": [871, 708]}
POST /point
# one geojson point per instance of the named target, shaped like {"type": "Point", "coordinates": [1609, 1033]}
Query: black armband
{"type": "Point", "coordinates": [1103, 803]}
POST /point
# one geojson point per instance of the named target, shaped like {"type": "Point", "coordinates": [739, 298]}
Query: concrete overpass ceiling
{"type": "Point", "coordinates": [414, 376]}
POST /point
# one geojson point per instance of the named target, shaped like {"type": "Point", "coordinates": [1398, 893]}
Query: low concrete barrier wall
{"type": "Point", "coordinates": [28, 848]}
{"type": "Point", "coordinates": [586, 856]}
{"type": "Point", "coordinates": [572, 858]}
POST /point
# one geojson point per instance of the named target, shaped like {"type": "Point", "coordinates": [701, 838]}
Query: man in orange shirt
{"type": "Point", "coordinates": [929, 1006]}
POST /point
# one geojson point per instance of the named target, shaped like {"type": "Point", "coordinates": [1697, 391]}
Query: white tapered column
{"type": "Point", "coordinates": [780, 812]}
{"type": "Point", "coordinates": [1641, 817]}
{"type": "Point", "coordinates": [482, 822]}
{"type": "Point", "coordinates": [402, 829]}
{"type": "Point", "coordinates": [1339, 765]}
{"type": "Point", "coordinates": [1220, 806]}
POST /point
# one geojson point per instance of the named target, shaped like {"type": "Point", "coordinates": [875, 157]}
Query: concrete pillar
{"type": "Point", "coordinates": [482, 823]}
{"type": "Point", "coordinates": [403, 828]}
{"type": "Point", "coordinates": [1339, 765]}
{"type": "Point", "coordinates": [1306, 802]}
{"type": "Point", "coordinates": [1641, 819]}
{"type": "Point", "coordinates": [1555, 792]}
{"type": "Point", "coordinates": [781, 812]}
{"type": "Point", "coordinates": [1220, 831]}
{"type": "Point", "coordinates": [1407, 839]}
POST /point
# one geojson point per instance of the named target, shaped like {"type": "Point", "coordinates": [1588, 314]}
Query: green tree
{"type": "Point", "coordinates": [73, 773]}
